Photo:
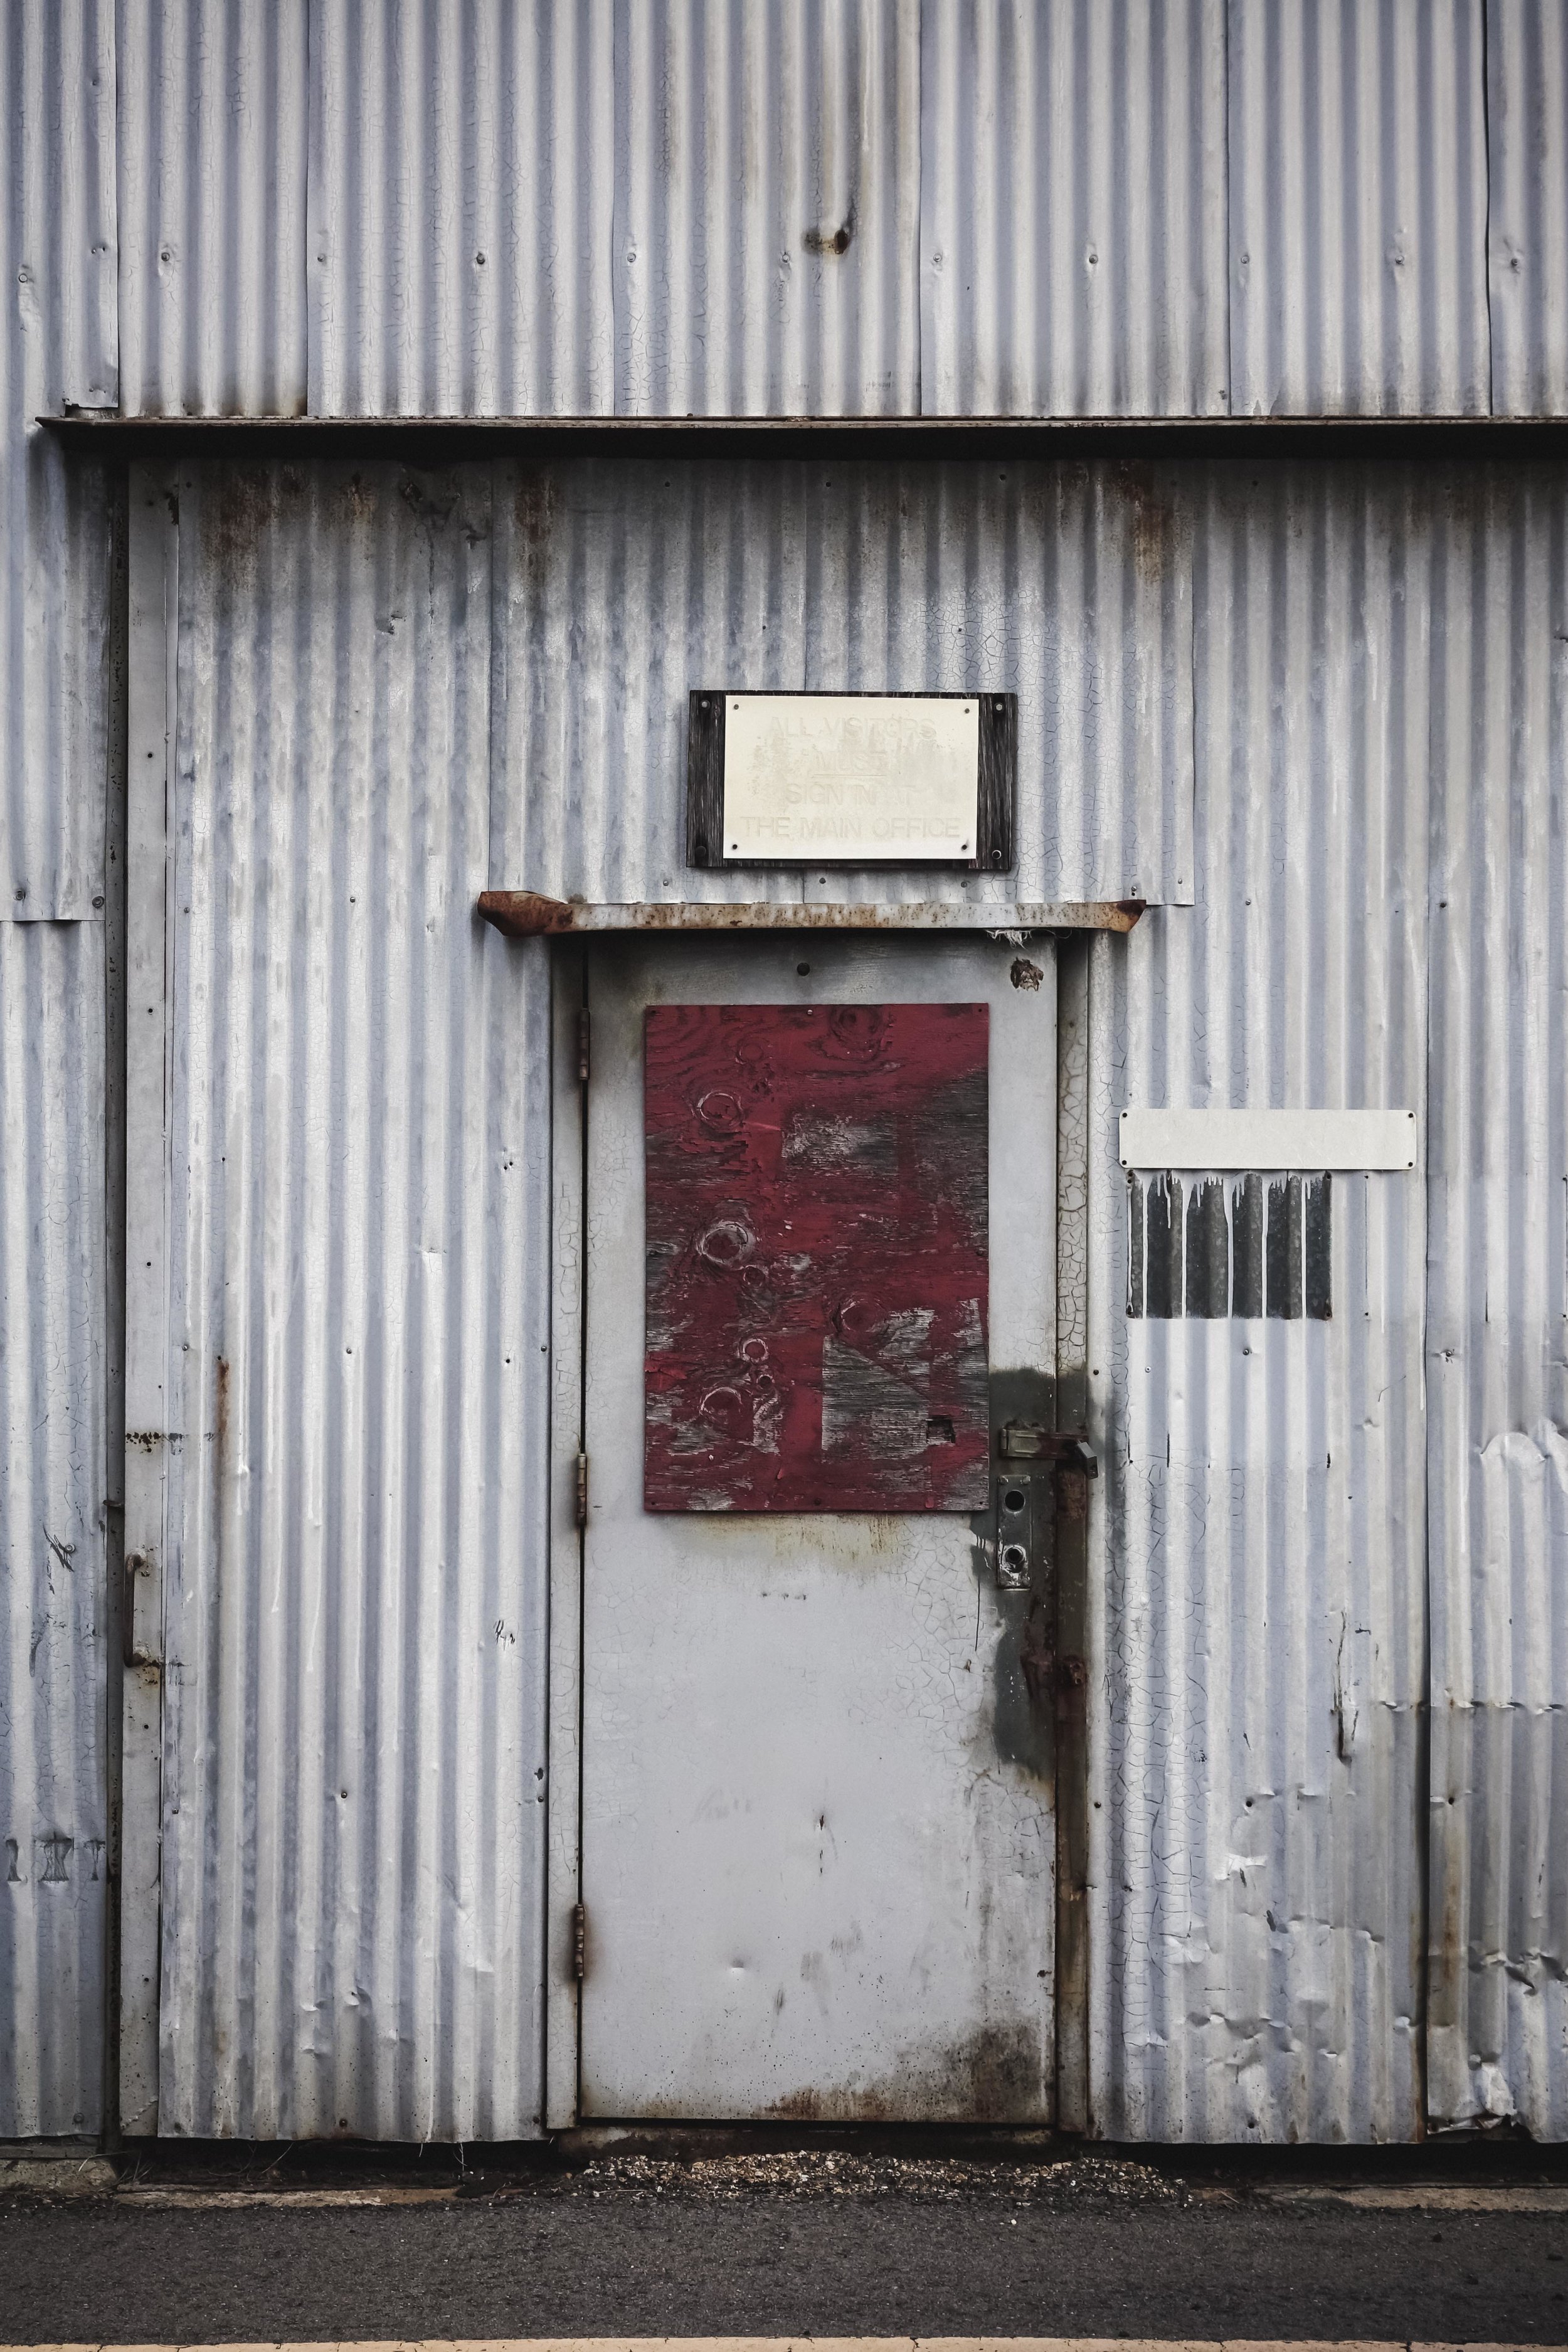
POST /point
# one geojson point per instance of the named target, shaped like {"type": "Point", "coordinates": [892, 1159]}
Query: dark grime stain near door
{"type": "Point", "coordinates": [818, 1282]}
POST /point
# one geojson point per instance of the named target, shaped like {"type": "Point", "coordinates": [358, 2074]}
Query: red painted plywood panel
{"type": "Point", "coordinates": [817, 1278]}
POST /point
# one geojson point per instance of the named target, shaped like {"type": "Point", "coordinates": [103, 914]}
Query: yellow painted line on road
{"type": "Point", "coordinates": [1445, 2197]}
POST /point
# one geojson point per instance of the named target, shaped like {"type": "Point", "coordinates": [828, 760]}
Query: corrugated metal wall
{"type": "Point", "coordinates": [1044, 208]}
{"type": "Point", "coordinates": [1073, 209]}
{"type": "Point", "coordinates": [678, 207]}
{"type": "Point", "coordinates": [53, 1823]}
{"type": "Point", "coordinates": [214, 105]}
{"type": "Point", "coordinates": [766, 224]}
{"type": "Point", "coordinates": [1258, 1934]}
{"type": "Point", "coordinates": [210, 208]}
{"type": "Point", "coordinates": [1358, 208]}
{"type": "Point", "coordinates": [1527, 240]}
{"type": "Point", "coordinates": [621, 585]}
{"type": "Point", "coordinates": [1255, 1899]}
{"type": "Point", "coordinates": [357, 1141]}
{"type": "Point", "coordinates": [1497, 1346]}
{"type": "Point", "coordinates": [461, 206]}
{"type": "Point", "coordinates": [56, 343]}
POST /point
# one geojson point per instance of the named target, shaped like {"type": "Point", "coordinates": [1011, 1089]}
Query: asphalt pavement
{"type": "Point", "coordinates": [623, 2250]}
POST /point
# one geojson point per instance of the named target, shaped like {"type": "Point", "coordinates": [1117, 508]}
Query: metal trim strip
{"type": "Point", "coordinates": [1224, 1139]}
{"type": "Point", "coordinates": [527, 914]}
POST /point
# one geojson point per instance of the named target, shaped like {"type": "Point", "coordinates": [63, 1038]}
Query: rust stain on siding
{"type": "Point", "coordinates": [994, 2074]}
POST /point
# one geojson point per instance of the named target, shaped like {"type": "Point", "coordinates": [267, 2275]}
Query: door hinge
{"type": "Point", "coordinates": [579, 1940]}
{"type": "Point", "coordinates": [583, 1045]}
{"type": "Point", "coordinates": [582, 1490]}
{"type": "Point", "coordinates": [132, 1654]}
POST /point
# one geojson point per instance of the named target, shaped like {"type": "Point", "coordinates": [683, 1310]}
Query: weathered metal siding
{"type": "Point", "coordinates": [767, 208]}
{"type": "Point", "coordinates": [53, 1381]}
{"type": "Point", "coordinates": [678, 206]}
{"type": "Point", "coordinates": [1358, 207]}
{"type": "Point", "coordinates": [211, 208]}
{"type": "Point", "coordinates": [460, 208]}
{"type": "Point", "coordinates": [1497, 1343]}
{"type": "Point", "coordinates": [1526, 221]}
{"type": "Point", "coordinates": [1259, 1761]}
{"type": "Point", "coordinates": [357, 1156]}
{"type": "Point", "coordinates": [58, 343]}
{"type": "Point", "coordinates": [620, 586]}
{"type": "Point", "coordinates": [455, 206]}
{"type": "Point", "coordinates": [212, 112]}
{"type": "Point", "coordinates": [1073, 209]}
{"type": "Point", "coordinates": [1257, 1667]}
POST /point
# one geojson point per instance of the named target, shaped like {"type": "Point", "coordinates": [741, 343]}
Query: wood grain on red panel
{"type": "Point", "coordinates": [817, 1280]}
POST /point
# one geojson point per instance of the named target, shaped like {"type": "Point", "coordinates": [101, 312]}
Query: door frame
{"type": "Point", "coordinates": [571, 1046]}
{"type": "Point", "coordinates": [568, 1371]}
{"type": "Point", "coordinates": [153, 585]}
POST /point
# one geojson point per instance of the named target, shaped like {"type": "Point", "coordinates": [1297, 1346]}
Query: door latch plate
{"type": "Point", "coordinates": [1015, 1532]}
{"type": "Point", "coordinates": [1043, 1477]}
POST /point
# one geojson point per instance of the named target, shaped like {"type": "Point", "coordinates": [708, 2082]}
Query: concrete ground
{"type": "Point", "coordinates": [820, 2243]}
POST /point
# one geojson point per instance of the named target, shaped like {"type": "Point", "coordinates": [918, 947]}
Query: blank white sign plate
{"type": "Point", "coordinates": [851, 776]}
{"type": "Point", "coordinates": [1367, 1139]}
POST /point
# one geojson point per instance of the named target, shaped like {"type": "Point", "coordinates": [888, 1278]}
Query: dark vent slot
{"type": "Point", "coordinates": [1247, 1247]}
{"type": "Point", "coordinates": [1283, 1250]}
{"type": "Point", "coordinates": [1240, 1246]}
{"type": "Point", "coordinates": [1208, 1251]}
{"type": "Point", "coordinates": [1319, 1228]}
{"type": "Point", "coordinates": [1163, 1225]}
{"type": "Point", "coordinates": [1134, 1245]}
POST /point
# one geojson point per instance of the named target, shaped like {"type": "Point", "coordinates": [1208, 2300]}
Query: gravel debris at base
{"type": "Point", "coordinates": [837, 2173]}
{"type": "Point", "coordinates": [1050, 2183]}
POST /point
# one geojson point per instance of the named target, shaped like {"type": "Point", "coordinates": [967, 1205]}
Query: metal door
{"type": "Point", "coordinates": [817, 1859]}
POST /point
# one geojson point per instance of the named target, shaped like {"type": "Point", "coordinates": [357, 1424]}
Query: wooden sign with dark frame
{"type": "Point", "coordinates": [706, 840]}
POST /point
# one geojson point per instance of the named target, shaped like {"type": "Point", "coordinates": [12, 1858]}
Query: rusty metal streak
{"type": "Point", "coordinates": [527, 914]}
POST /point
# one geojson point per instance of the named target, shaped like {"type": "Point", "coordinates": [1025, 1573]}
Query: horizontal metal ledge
{"type": "Point", "coordinates": [526, 915]}
{"type": "Point", "coordinates": [444, 439]}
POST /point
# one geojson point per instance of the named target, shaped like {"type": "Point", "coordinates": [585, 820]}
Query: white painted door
{"type": "Point", "coordinates": [817, 1832]}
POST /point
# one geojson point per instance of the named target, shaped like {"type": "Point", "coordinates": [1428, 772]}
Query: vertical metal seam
{"type": "Point", "coordinates": [584, 969]}
{"type": "Point", "coordinates": [1229, 302]}
{"type": "Point", "coordinates": [921, 6]}
{"type": "Point", "coordinates": [309, 216]}
{"type": "Point", "coordinates": [1483, 10]}
{"type": "Point", "coordinates": [563, 1567]}
{"type": "Point", "coordinates": [152, 599]}
{"type": "Point", "coordinates": [1434, 1157]}
{"type": "Point", "coordinates": [115, 1017]}
{"type": "Point", "coordinates": [1074, 1111]}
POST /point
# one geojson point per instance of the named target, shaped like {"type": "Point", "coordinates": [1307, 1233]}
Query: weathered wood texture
{"type": "Point", "coordinates": [817, 1276]}
{"type": "Point", "coordinates": [705, 779]}
{"type": "Point", "coordinates": [994, 845]}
